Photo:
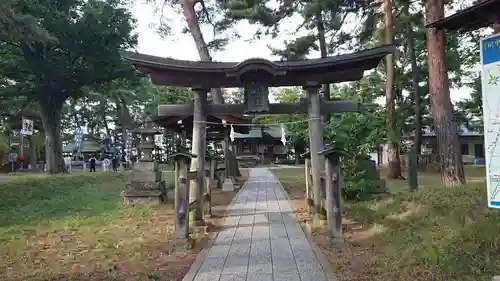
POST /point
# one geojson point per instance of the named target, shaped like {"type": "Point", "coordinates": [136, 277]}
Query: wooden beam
{"type": "Point", "coordinates": [274, 108]}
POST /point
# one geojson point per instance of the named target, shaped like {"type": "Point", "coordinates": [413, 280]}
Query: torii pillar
{"type": "Point", "coordinates": [316, 144]}
{"type": "Point", "coordinates": [198, 148]}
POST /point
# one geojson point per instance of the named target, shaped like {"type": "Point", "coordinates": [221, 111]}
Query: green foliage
{"type": "Point", "coordinates": [15, 24]}
{"type": "Point", "coordinates": [357, 186]}
{"type": "Point", "coordinates": [470, 110]}
{"type": "Point", "coordinates": [47, 219]}
{"type": "Point", "coordinates": [4, 147]}
{"type": "Point", "coordinates": [297, 49]}
{"type": "Point", "coordinates": [289, 95]}
{"type": "Point", "coordinates": [82, 52]}
{"type": "Point", "coordinates": [357, 135]}
{"type": "Point", "coordinates": [234, 97]}
{"type": "Point", "coordinates": [436, 233]}
{"type": "Point", "coordinates": [59, 196]}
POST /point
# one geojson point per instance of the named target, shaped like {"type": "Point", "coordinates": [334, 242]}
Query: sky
{"type": "Point", "coordinates": [181, 46]}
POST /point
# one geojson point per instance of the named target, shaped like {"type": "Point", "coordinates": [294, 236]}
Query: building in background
{"type": "Point", "coordinates": [471, 146]}
{"type": "Point", "coordinates": [263, 142]}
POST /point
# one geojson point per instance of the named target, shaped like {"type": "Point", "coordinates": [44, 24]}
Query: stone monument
{"type": "Point", "coordinates": [146, 186]}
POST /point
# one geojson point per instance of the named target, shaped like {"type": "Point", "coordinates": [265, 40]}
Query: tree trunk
{"type": "Point", "coordinates": [452, 169]}
{"type": "Point", "coordinates": [123, 115]}
{"type": "Point", "coordinates": [51, 119]}
{"type": "Point", "coordinates": [417, 139]}
{"type": "Point", "coordinates": [323, 52]}
{"type": "Point", "coordinates": [194, 28]}
{"type": "Point", "coordinates": [217, 97]}
{"type": "Point", "coordinates": [33, 153]}
{"type": "Point", "coordinates": [392, 139]}
{"type": "Point", "coordinates": [124, 143]}
{"type": "Point", "coordinates": [106, 126]}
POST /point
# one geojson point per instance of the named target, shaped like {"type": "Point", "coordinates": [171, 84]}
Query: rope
{"type": "Point", "coordinates": [258, 124]}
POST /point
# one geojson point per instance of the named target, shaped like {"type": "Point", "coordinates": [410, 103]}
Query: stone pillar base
{"type": "Point", "coordinates": [213, 184]}
{"type": "Point", "coordinates": [145, 186]}
{"type": "Point", "coordinates": [228, 185]}
{"type": "Point", "coordinates": [201, 230]}
{"type": "Point", "coordinates": [319, 220]}
{"type": "Point", "coordinates": [136, 197]}
{"type": "Point", "coordinates": [180, 244]}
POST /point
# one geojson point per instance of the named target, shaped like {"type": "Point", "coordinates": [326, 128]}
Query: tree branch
{"type": "Point", "coordinates": [337, 31]}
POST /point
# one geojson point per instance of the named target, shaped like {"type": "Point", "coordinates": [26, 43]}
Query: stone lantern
{"type": "Point", "coordinates": [146, 185]}
{"type": "Point", "coordinates": [147, 142]}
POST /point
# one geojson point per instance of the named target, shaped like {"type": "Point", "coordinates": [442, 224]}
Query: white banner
{"type": "Point", "coordinates": [27, 127]}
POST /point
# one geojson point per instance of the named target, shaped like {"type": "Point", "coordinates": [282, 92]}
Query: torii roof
{"type": "Point", "coordinates": [335, 69]}
{"type": "Point", "coordinates": [472, 18]}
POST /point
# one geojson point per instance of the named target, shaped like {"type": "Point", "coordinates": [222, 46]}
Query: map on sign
{"type": "Point", "coordinates": [490, 81]}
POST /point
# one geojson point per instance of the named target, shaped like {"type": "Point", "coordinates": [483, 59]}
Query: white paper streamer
{"type": "Point", "coordinates": [283, 137]}
{"type": "Point", "coordinates": [231, 134]}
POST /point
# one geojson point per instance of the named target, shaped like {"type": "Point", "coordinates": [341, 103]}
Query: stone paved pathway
{"type": "Point", "coordinates": [261, 240]}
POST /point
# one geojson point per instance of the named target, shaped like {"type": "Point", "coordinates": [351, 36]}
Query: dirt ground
{"type": "Point", "coordinates": [177, 265]}
{"type": "Point", "coordinates": [347, 261]}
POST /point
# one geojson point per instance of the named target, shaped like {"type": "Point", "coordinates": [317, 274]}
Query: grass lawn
{"type": "Point", "coordinates": [434, 234]}
{"type": "Point", "coordinates": [78, 225]}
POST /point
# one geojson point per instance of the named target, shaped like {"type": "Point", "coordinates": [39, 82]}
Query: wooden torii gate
{"type": "Point", "coordinates": [256, 76]}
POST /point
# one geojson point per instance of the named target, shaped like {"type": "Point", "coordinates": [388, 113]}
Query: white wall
{"type": "Point", "coordinates": [374, 157]}
{"type": "Point", "coordinates": [465, 158]}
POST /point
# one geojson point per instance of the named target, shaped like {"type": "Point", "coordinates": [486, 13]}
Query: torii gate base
{"type": "Point", "coordinates": [228, 185]}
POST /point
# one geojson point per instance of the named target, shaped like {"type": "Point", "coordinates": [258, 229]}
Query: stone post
{"type": "Point", "coordinates": [226, 143]}
{"type": "Point", "coordinates": [181, 199]}
{"type": "Point", "coordinates": [198, 147]}
{"type": "Point", "coordinates": [145, 186]}
{"type": "Point", "coordinates": [307, 171]}
{"type": "Point", "coordinates": [316, 144]}
{"type": "Point", "coordinates": [210, 182]}
{"type": "Point", "coordinates": [213, 168]}
{"type": "Point", "coordinates": [333, 194]}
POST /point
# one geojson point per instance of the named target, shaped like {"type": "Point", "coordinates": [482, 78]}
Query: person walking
{"type": "Point", "coordinates": [114, 162]}
{"type": "Point", "coordinates": [92, 163]}
{"type": "Point", "coordinates": [21, 162]}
